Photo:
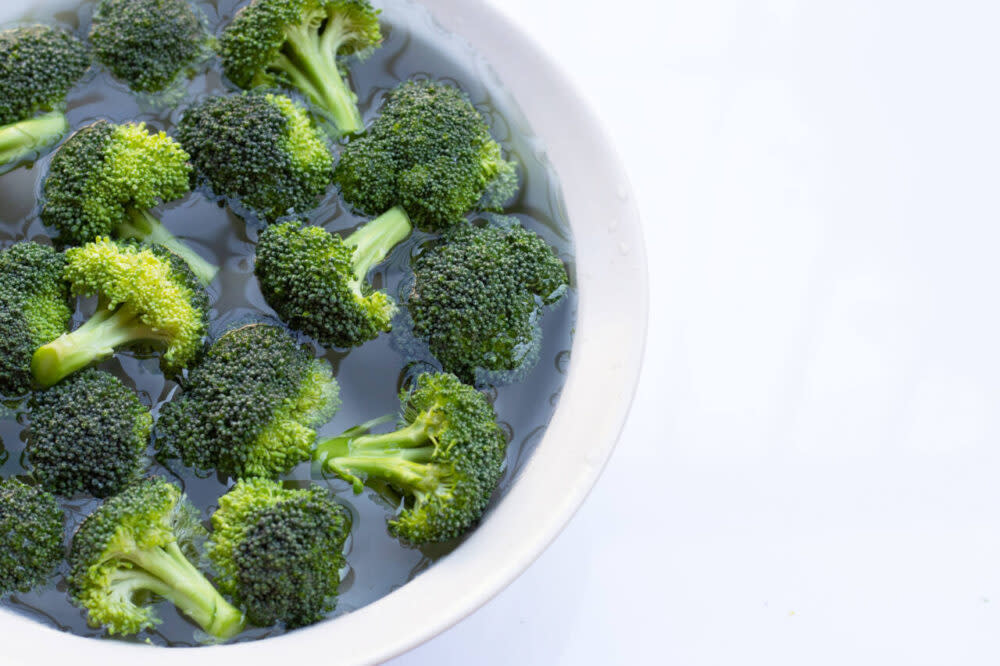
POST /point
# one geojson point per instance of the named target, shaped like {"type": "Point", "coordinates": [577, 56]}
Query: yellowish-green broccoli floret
{"type": "Point", "coordinates": [31, 536]}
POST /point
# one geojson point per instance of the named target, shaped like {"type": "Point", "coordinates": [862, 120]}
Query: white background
{"type": "Point", "coordinates": [810, 474]}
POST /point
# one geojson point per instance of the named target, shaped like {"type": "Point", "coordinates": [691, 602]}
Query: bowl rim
{"type": "Point", "coordinates": [607, 353]}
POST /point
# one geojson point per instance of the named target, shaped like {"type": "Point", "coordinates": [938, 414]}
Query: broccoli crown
{"type": "Point", "coordinates": [38, 66]}
{"type": "Point", "coordinates": [88, 434]}
{"type": "Point", "coordinates": [476, 296]}
{"type": "Point", "coordinates": [34, 309]}
{"type": "Point", "coordinates": [249, 408]}
{"type": "Point", "coordinates": [31, 536]}
{"type": "Point", "coordinates": [104, 171]}
{"type": "Point", "coordinates": [260, 149]}
{"type": "Point", "coordinates": [279, 552]}
{"type": "Point", "coordinates": [149, 43]}
{"type": "Point", "coordinates": [431, 153]}
{"type": "Point", "coordinates": [445, 461]}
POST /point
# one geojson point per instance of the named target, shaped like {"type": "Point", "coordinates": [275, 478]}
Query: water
{"type": "Point", "coordinates": [370, 377]}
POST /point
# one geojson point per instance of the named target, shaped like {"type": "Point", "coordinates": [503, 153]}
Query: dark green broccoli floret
{"type": "Point", "coordinates": [259, 149]}
{"type": "Point", "coordinates": [34, 309]}
{"type": "Point", "coordinates": [38, 66]}
{"type": "Point", "coordinates": [104, 180]}
{"type": "Point", "coordinates": [443, 463]}
{"type": "Point", "coordinates": [150, 44]}
{"type": "Point", "coordinates": [477, 294]}
{"type": "Point", "coordinates": [249, 408]}
{"type": "Point", "coordinates": [146, 295]}
{"type": "Point", "coordinates": [431, 153]}
{"type": "Point", "coordinates": [88, 434]}
{"type": "Point", "coordinates": [31, 536]}
{"type": "Point", "coordinates": [317, 281]}
{"type": "Point", "coordinates": [299, 44]}
{"type": "Point", "coordinates": [278, 553]}
{"type": "Point", "coordinates": [139, 545]}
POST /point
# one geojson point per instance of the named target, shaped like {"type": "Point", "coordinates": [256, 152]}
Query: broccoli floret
{"type": "Point", "coordinates": [150, 44]}
{"type": "Point", "coordinates": [477, 295]}
{"type": "Point", "coordinates": [34, 309]}
{"type": "Point", "coordinates": [138, 545]}
{"type": "Point", "coordinates": [317, 281]}
{"type": "Point", "coordinates": [146, 295]}
{"type": "Point", "coordinates": [38, 66]}
{"type": "Point", "coordinates": [259, 149]}
{"type": "Point", "coordinates": [431, 153]}
{"type": "Point", "coordinates": [443, 463]}
{"type": "Point", "coordinates": [31, 536]}
{"type": "Point", "coordinates": [104, 180]}
{"type": "Point", "coordinates": [89, 434]}
{"type": "Point", "coordinates": [249, 408]}
{"type": "Point", "coordinates": [299, 44]}
{"type": "Point", "coordinates": [278, 553]}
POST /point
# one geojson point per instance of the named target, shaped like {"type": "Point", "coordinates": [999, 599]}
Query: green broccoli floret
{"type": "Point", "coordinates": [150, 44]}
{"type": "Point", "coordinates": [443, 463]}
{"type": "Point", "coordinates": [261, 150]}
{"type": "Point", "coordinates": [34, 309]}
{"type": "Point", "coordinates": [317, 281]}
{"type": "Point", "coordinates": [431, 153]}
{"type": "Point", "coordinates": [31, 536]}
{"type": "Point", "coordinates": [89, 434]}
{"type": "Point", "coordinates": [146, 295]}
{"type": "Point", "coordinates": [278, 553]}
{"type": "Point", "coordinates": [38, 66]}
{"type": "Point", "coordinates": [477, 295]}
{"type": "Point", "coordinates": [104, 180]}
{"type": "Point", "coordinates": [249, 408]}
{"type": "Point", "coordinates": [299, 44]}
{"type": "Point", "coordinates": [139, 545]}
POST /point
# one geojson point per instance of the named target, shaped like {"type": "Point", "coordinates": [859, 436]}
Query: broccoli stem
{"type": "Point", "coordinates": [375, 240]}
{"type": "Point", "coordinates": [399, 458]}
{"type": "Point", "coordinates": [144, 227]}
{"type": "Point", "coordinates": [21, 140]}
{"type": "Point", "coordinates": [96, 339]}
{"type": "Point", "coordinates": [173, 577]}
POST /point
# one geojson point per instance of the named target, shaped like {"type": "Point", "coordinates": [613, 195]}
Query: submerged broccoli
{"type": "Point", "coordinates": [104, 180]}
{"type": "Point", "coordinates": [138, 545]}
{"type": "Point", "coordinates": [38, 66]}
{"type": "Point", "coordinates": [31, 536]}
{"type": "Point", "coordinates": [250, 407]}
{"type": "Point", "coordinates": [443, 464]}
{"type": "Point", "coordinates": [317, 281]}
{"type": "Point", "coordinates": [147, 295]}
{"type": "Point", "coordinates": [298, 44]}
{"type": "Point", "coordinates": [278, 553]}
{"type": "Point", "coordinates": [34, 309]}
{"type": "Point", "coordinates": [477, 297]}
{"type": "Point", "coordinates": [431, 153]}
{"type": "Point", "coordinates": [88, 434]}
{"type": "Point", "coordinates": [260, 149]}
{"type": "Point", "coordinates": [150, 44]}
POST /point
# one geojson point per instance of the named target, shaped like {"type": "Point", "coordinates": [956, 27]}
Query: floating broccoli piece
{"type": "Point", "coordinates": [477, 298]}
{"type": "Point", "coordinates": [278, 553]}
{"type": "Point", "coordinates": [88, 434]}
{"type": "Point", "coordinates": [31, 536]}
{"type": "Point", "coordinates": [431, 153]}
{"type": "Point", "coordinates": [104, 180]}
{"type": "Point", "coordinates": [443, 463]}
{"type": "Point", "coordinates": [150, 44]}
{"type": "Point", "coordinates": [138, 545]}
{"type": "Point", "coordinates": [34, 309]}
{"type": "Point", "coordinates": [317, 281]}
{"type": "Point", "coordinates": [147, 295]}
{"type": "Point", "coordinates": [300, 44]}
{"type": "Point", "coordinates": [249, 408]}
{"type": "Point", "coordinates": [259, 149]}
{"type": "Point", "coordinates": [38, 66]}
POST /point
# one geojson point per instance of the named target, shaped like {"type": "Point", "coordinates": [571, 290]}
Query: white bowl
{"type": "Point", "coordinates": [604, 370]}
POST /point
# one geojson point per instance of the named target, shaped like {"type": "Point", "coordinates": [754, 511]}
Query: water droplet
{"type": "Point", "coordinates": [613, 226]}
{"type": "Point", "coordinates": [623, 192]}
{"type": "Point", "coordinates": [624, 248]}
{"type": "Point", "coordinates": [562, 361]}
